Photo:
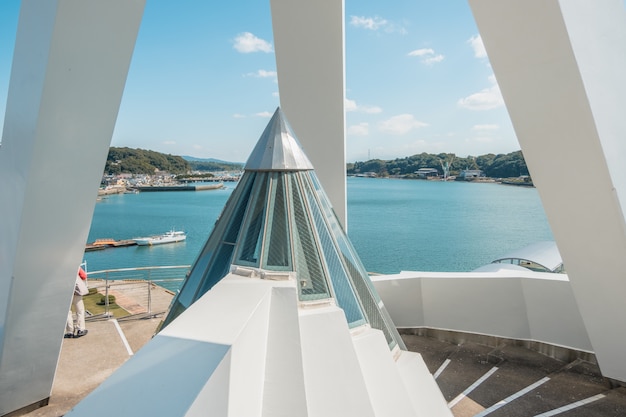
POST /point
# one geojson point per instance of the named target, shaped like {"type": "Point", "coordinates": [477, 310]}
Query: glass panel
{"type": "Point", "coordinates": [376, 315]}
{"type": "Point", "coordinates": [252, 232]}
{"type": "Point", "coordinates": [220, 267]}
{"type": "Point", "coordinates": [227, 224]}
{"type": "Point", "coordinates": [278, 253]}
{"type": "Point", "coordinates": [213, 263]}
{"type": "Point", "coordinates": [232, 233]}
{"type": "Point", "coordinates": [311, 279]}
{"type": "Point", "coordinates": [369, 303]}
{"type": "Point", "coordinates": [346, 299]}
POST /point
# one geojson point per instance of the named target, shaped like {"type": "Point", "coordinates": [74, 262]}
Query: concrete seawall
{"type": "Point", "coordinates": [201, 187]}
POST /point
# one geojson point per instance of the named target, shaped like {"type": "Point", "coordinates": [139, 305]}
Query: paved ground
{"type": "Point", "coordinates": [510, 380]}
{"type": "Point", "coordinates": [105, 348]}
{"type": "Point", "coordinates": [475, 379]}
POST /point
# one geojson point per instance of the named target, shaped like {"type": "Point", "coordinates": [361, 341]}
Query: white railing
{"type": "Point", "coordinates": [527, 306]}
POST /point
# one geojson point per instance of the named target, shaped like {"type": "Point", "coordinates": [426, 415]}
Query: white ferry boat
{"type": "Point", "coordinates": [169, 237]}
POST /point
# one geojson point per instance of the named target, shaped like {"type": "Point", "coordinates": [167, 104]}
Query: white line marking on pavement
{"type": "Point", "coordinates": [570, 406]}
{"type": "Point", "coordinates": [441, 368]}
{"type": "Point", "coordinates": [121, 333]}
{"type": "Point", "coordinates": [472, 387]}
{"type": "Point", "coordinates": [512, 397]}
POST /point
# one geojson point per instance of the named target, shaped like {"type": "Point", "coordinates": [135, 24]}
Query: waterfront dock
{"type": "Point", "coordinates": [100, 244]}
{"type": "Point", "coordinates": [187, 187]}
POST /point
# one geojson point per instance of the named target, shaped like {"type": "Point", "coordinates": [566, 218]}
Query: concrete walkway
{"type": "Point", "coordinates": [87, 361]}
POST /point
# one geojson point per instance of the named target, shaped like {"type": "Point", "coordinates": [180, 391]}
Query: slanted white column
{"type": "Point", "coordinates": [560, 66]}
{"type": "Point", "coordinates": [69, 69]}
{"type": "Point", "coordinates": [309, 42]}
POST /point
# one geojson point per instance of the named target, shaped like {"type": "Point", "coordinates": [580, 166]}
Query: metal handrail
{"type": "Point", "coordinates": [141, 268]}
{"type": "Point", "coordinates": [162, 276]}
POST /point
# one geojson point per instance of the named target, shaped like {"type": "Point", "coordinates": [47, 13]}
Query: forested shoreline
{"type": "Point", "coordinates": [494, 166]}
{"type": "Point", "coordinates": [141, 161]}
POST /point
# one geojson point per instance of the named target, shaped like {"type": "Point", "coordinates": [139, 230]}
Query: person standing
{"type": "Point", "coordinates": [80, 289]}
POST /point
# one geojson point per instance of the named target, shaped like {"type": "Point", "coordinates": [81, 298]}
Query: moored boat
{"type": "Point", "coordinates": [169, 237]}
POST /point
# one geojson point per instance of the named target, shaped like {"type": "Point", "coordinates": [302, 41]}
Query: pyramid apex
{"type": "Point", "coordinates": [278, 148]}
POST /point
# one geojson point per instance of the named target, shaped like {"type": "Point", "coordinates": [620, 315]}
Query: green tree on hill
{"type": "Point", "coordinates": [140, 161]}
{"type": "Point", "coordinates": [495, 166]}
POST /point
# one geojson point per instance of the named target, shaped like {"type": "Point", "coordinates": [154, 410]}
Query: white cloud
{"type": "Point", "coordinates": [362, 129]}
{"type": "Point", "coordinates": [483, 134]}
{"type": "Point", "coordinates": [371, 23]}
{"type": "Point", "coordinates": [262, 74]}
{"type": "Point", "coordinates": [433, 60]}
{"type": "Point", "coordinates": [485, 127]}
{"type": "Point", "coordinates": [238, 116]}
{"type": "Point", "coordinates": [481, 139]}
{"type": "Point", "coordinates": [477, 45]}
{"type": "Point", "coordinates": [400, 124]}
{"type": "Point", "coordinates": [352, 106]}
{"type": "Point", "coordinates": [275, 94]}
{"type": "Point", "coordinates": [427, 56]}
{"type": "Point", "coordinates": [375, 23]}
{"type": "Point", "coordinates": [371, 109]}
{"type": "Point", "coordinates": [422, 52]}
{"type": "Point", "coordinates": [486, 99]}
{"type": "Point", "coordinates": [169, 142]}
{"type": "Point", "coordinates": [246, 43]}
{"type": "Point", "coordinates": [264, 114]}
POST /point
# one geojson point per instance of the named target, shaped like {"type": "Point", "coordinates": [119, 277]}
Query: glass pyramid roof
{"type": "Point", "coordinates": [279, 224]}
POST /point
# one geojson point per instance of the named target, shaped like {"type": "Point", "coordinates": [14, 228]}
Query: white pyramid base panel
{"type": "Point", "coordinates": [248, 348]}
{"type": "Point", "coordinates": [332, 373]}
{"type": "Point", "coordinates": [385, 387]}
{"type": "Point", "coordinates": [423, 390]}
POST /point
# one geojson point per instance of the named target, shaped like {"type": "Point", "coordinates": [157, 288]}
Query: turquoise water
{"type": "Point", "coordinates": [440, 226]}
{"type": "Point", "coordinates": [394, 224]}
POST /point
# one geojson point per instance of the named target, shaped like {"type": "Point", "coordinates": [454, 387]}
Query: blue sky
{"type": "Point", "coordinates": [202, 81]}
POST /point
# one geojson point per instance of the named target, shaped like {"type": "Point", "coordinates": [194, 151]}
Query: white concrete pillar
{"type": "Point", "coordinates": [560, 67]}
{"type": "Point", "coordinates": [69, 69]}
{"type": "Point", "coordinates": [310, 60]}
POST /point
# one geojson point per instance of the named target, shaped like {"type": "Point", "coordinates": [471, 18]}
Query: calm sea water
{"type": "Point", "coordinates": [394, 224]}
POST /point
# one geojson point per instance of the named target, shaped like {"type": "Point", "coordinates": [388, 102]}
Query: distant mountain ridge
{"type": "Point", "coordinates": [217, 161]}
{"type": "Point", "coordinates": [142, 161]}
{"type": "Point", "coordinates": [211, 164]}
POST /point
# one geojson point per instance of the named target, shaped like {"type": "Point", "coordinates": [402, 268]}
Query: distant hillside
{"type": "Point", "coordinates": [212, 164]}
{"type": "Point", "coordinates": [141, 161]}
{"type": "Point", "coordinates": [219, 161]}
{"type": "Point", "coordinates": [495, 166]}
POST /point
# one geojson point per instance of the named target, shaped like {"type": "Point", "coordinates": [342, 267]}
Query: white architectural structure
{"type": "Point", "coordinates": [559, 64]}
{"type": "Point", "coordinates": [311, 81]}
{"type": "Point", "coordinates": [277, 317]}
{"type": "Point", "coordinates": [515, 304]}
{"type": "Point", "coordinates": [66, 84]}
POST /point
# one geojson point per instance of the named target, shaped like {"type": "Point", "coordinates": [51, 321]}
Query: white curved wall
{"type": "Point", "coordinates": [518, 305]}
